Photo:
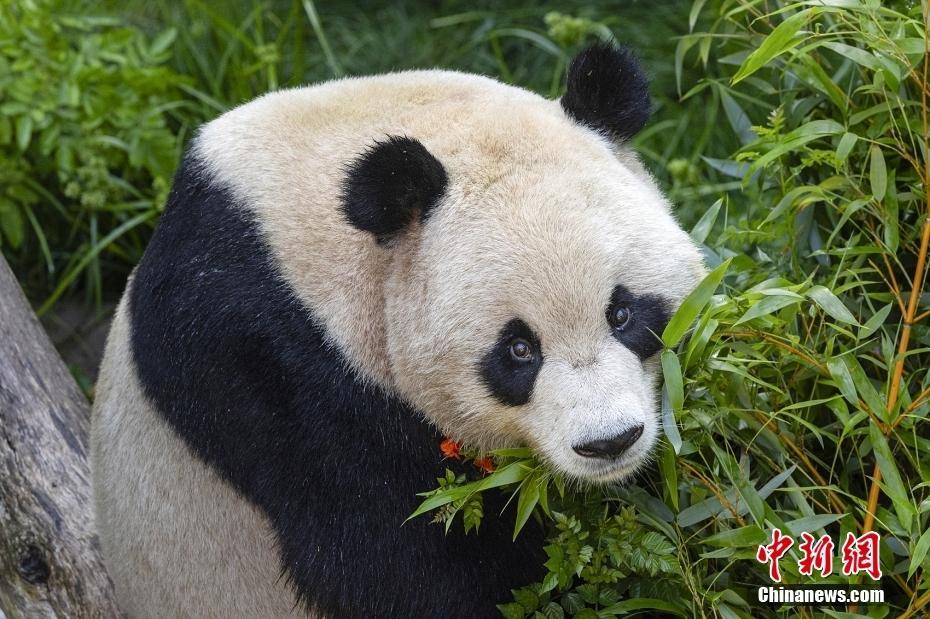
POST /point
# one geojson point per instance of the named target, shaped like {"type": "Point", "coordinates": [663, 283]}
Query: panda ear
{"type": "Point", "coordinates": [390, 184]}
{"type": "Point", "coordinates": [607, 91]}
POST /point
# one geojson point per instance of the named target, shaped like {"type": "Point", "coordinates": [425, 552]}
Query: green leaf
{"type": "Point", "coordinates": [513, 452]}
{"type": "Point", "coordinates": [738, 119]}
{"type": "Point", "coordinates": [857, 55]}
{"type": "Point", "coordinates": [23, 131]}
{"type": "Point", "coordinates": [766, 306]}
{"type": "Point", "coordinates": [512, 610]}
{"type": "Point", "coordinates": [890, 216]}
{"type": "Point", "coordinates": [526, 598]}
{"type": "Point", "coordinates": [864, 387]}
{"type": "Point", "coordinates": [671, 369]}
{"type": "Point", "coordinates": [878, 174]}
{"type": "Point", "coordinates": [797, 138]}
{"type": "Point", "coordinates": [703, 227]}
{"type": "Point", "coordinates": [750, 535]}
{"type": "Point", "coordinates": [695, 13]}
{"type": "Point", "coordinates": [572, 602]}
{"type": "Point", "coordinates": [12, 223]}
{"type": "Point", "coordinates": [684, 44]}
{"type": "Point", "coordinates": [550, 582]}
{"type": "Point", "coordinates": [668, 467]}
{"type": "Point", "coordinates": [627, 606]}
{"type": "Point", "coordinates": [699, 512]}
{"type": "Point", "coordinates": [669, 424]}
{"type": "Point", "coordinates": [553, 611]}
{"type": "Point", "coordinates": [812, 523]}
{"type": "Point", "coordinates": [875, 322]}
{"type": "Point", "coordinates": [693, 304]}
{"type": "Point", "coordinates": [788, 200]}
{"type": "Point", "coordinates": [163, 41]}
{"type": "Point", "coordinates": [780, 40]}
{"type": "Point", "coordinates": [831, 305]}
{"type": "Point", "coordinates": [920, 551]}
{"type": "Point", "coordinates": [891, 478]}
{"type": "Point", "coordinates": [505, 476]}
{"type": "Point", "coordinates": [844, 381]}
{"type": "Point", "coordinates": [526, 502]}
{"type": "Point", "coordinates": [846, 145]}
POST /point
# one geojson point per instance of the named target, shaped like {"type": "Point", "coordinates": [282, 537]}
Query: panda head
{"type": "Point", "coordinates": [532, 267]}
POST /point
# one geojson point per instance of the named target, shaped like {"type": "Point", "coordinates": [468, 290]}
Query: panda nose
{"type": "Point", "coordinates": [610, 448]}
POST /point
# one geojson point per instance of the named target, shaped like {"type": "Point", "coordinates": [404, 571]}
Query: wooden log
{"type": "Point", "coordinates": [50, 564]}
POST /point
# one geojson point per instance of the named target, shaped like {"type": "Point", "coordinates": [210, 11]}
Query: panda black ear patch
{"type": "Point", "coordinates": [607, 91]}
{"type": "Point", "coordinates": [390, 184]}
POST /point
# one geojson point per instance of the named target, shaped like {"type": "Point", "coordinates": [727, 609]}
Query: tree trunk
{"type": "Point", "coordinates": [50, 563]}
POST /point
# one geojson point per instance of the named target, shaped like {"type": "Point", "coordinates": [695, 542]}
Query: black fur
{"type": "Point", "coordinates": [235, 363]}
{"type": "Point", "coordinates": [648, 316]}
{"type": "Point", "coordinates": [511, 381]}
{"type": "Point", "coordinates": [607, 91]}
{"type": "Point", "coordinates": [390, 184]}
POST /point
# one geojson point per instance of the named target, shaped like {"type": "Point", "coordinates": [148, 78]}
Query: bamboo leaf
{"type": "Point", "coordinates": [920, 551]}
{"type": "Point", "coordinates": [693, 304]}
{"type": "Point", "coordinates": [738, 119]}
{"type": "Point", "coordinates": [846, 145]}
{"type": "Point", "coordinates": [831, 305]}
{"type": "Point", "coordinates": [526, 502]}
{"type": "Point", "coordinates": [695, 13]}
{"type": "Point", "coordinates": [510, 474]}
{"type": "Point", "coordinates": [874, 323]}
{"type": "Point", "coordinates": [844, 381]}
{"type": "Point", "coordinates": [669, 424]}
{"type": "Point", "coordinates": [780, 40]}
{"type": "Point", "coordinates": [750, 535]}
{"type": "Point", "coordinates": [891, 478]}
{"type": "Point", "coordinates": [878, 174]}
{"type": "Point", "coordinates": [706, 222]}
{"type": "Point", "coordinates": [766, 306]}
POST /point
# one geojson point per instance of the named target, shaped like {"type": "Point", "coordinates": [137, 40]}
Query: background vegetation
{"type": "Point", "coordinates": [792, 137]}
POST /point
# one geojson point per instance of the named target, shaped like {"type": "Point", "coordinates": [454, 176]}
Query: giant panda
{"type": "Point", "coordinates": [344, 274]}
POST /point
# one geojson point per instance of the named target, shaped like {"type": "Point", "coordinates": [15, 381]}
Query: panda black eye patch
{"type": "Point", "coordinates": [510, 367]}
{"type": "Point", "coordinates": [637, 321]}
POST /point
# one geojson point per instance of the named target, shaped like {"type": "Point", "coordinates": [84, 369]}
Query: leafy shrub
{"type": "Point", "coordinates": [124, 92]}
{"type": "Point", "coordinates": [800, 399]}
{"type": "Point", "coordinates": [91, 124]}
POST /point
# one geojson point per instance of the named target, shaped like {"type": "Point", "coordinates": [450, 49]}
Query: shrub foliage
{"type": "Point", "coordinates": [89, 139]}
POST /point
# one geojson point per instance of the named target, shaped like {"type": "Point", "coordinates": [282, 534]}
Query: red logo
{"type": "Point", "coordinates": [859, 554]}
{"type": "Point", "coordinates": [817, 555]}
{"type": "Point", "coordinates": [773, 552]}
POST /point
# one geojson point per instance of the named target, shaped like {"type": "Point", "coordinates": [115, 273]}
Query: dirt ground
{"type": "Point", "coordinates": [79, 333]}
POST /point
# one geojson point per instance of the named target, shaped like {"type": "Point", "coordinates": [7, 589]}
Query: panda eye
{"type": "Point", "coordinates": [521, 350]}
{"type": "Point", "coordinates": [619, 317]}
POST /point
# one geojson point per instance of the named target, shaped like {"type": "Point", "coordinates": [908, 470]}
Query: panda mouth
{"type": "Point", "coordinates": [616, 472]}
{"type": "Point", "coordinates": [613, 471]}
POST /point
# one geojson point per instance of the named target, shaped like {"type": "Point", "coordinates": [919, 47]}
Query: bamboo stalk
{"type": "Point", "coordinates": [910, 315]}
